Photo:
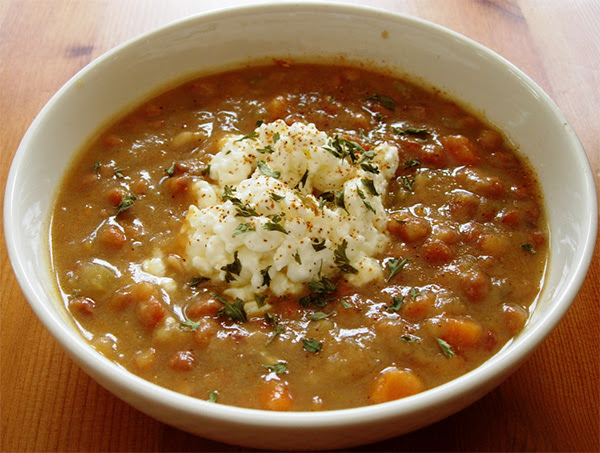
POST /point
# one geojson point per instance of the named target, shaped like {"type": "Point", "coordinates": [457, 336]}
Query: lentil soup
{"type": "Point", "coordinates": [299, 237]}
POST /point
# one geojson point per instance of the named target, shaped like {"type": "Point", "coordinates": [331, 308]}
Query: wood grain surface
{"type": "Point", "coordinates": [48, 404]}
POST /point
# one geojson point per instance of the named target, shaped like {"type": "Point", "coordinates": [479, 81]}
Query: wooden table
{"type": "Point", "coordinates": [49, 404]}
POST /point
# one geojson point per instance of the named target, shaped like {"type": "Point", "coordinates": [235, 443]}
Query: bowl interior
{"type": "Point", "coordinates": [464, 70]}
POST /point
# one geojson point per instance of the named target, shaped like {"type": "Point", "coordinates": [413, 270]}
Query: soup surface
{"type": "Point", "coordinates": [299, 237]}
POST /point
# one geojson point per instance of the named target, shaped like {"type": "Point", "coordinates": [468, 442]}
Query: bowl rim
{"type": "Point", "coordinates": [90, 360]}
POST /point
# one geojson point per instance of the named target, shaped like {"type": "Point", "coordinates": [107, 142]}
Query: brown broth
{"type": "Point", "coordinates": [465, 213]}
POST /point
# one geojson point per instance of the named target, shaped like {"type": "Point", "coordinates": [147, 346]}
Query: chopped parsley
{"type": "Point", "coordinates": [318, 245]}
{"type": "Point", "coordinates": [407, 183]}
{"type": "Point", "coordinates": [395, 265]}
{"type": "Point", "coordinates": [384, 100]}
{"type": "Point", "coordinates": [265, 275]}
{"type": "Point", "coordinates": [318, 315]}
{"type": "Point", "coordinates": [279, 368]}
{"type": "Point", "coordinates": [189, 326]}
{"type": "Point", "coordinates": [267, 171]}
{"type": "Point", "coordinates": [370, 185]}
{"type": "Point", "coordinates": [445, 347]}
{"type": "Point", "coordinates": [258, 123]}
{"type": "Point", "coordinates": [369, 167]}
{"type": "Point", "coordinates": [397, 305]}
{"type": "Point", "coordinates": [271, 319]}
{"type": "Point", "coordinates": [196, 281]}
{"type": "Point", "coordinates": [312, 345]}
{"type": "Point", "coordinates": [409, 338]}
{"type": "Point", "coordinates": [275, 224]}
{"type": "Point", "coordinates": [411, 163]}
{"type": "Point", "coordinates": [243, 209]}
{"type": "Point", "coordinates": [319, 292]}
{"type": "Point", "coordinates": [297, 258]}
{"type": "Point", "coordinates": [233, 268]}
{"type": "Point", "coordinates": [413, 131]}
{"type": "Point", "coordinates": [302, 180]}
{"type": "Point", "coordinates": [341, 259]}
{"type": "Point", "coordinates": [97, 166]}
{"type": "Point", "coordinates": [233, 310]}
{"type": "Point", "coordinates": [345, 304]}
{"type": "Point", "coordinates": [171, 170]}
{"type": "Point", "coordinates": [260, 300]}
{"type": "Point", "coordinates": [213, 396]}
{"type": "Point", "coordinates": [266, 150]}
{"type": "Point", "coordinates": [276, 197]}
{"type": "Point", "coordinates": [125, 203]}
{"type": "Point", "coordinates": [117, 171]}
{"type": "Point", "coordinates": [362, 196]}
{"type": "Point", "coordinates": [243, 228]}
{"type": "Point", "coordinates": [528, 248]}
{"type": "Point", "coordinates": [276, 137]}
{"type": "Point", "coordinates": [251, 136]}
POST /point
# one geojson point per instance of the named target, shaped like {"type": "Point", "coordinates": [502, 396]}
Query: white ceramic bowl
{"type": "Point", "coordinates": [467, 71]}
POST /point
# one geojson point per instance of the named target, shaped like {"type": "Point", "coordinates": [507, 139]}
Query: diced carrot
{"type": "Point", "coordinates": [112, 237]}
{"type": "Point", "coordinates": [83, 305]}
{"type": "Point", "coordinates": [182, 361]}
{"type": "Point", "coordinates": [461, 332]}
{"type": "Point", "coordinates": [393, 383]}
{"type": "Point", "coordinates": [277, 108]}
{"type": "Point", "coordinates": [112, 140]}
{"type": "Point", "coordinates": [460, 148]}
{"type": "Point", "coordinates": [275, 396]}
{"type": "Point", "coordinates": [493, 244]}
{"type": "Point", "coordinates": [490, 139]}
{"type": "Point", "coordinates": [206, 331]}
{"type": "Point", "coordinates": [203, 305]}
{"type": "Point", "coordinates": [437, 252]}
{"type": "Point", "coordinates": [177, 185]}
{"type": "Point", "coordinates": [114, 196]}
{"type": "Point", "coordinates": [145, 359]}
{"type": "Point", "coordinates": [418, 307]}
{"type": "Point", "coordinates": [476, 285]}
{"type": "Point", "coordinates": [150, 312]}
{"type": "Point", "coordinates": [514, 317]}
{"type": "Point", "coordinates": [409, 228]}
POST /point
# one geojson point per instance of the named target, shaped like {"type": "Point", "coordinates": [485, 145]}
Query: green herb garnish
{"type": "Point", "coordinates": [409, 338]}
{"type": "Point", "coordinates": [189, 326]}
{"type": "Point", "coordinates": [528, 248]}
{"type": "Point", "coordinates": [243, 228]}
{"type": "Point", "coordinates": [279, 368]}
{"type": "Point", "coordinates": [312, 345]}
{"type": "Point", "coordinates": [407, 183]}
{"type": "Point", "coordinates": [251, 136]}
{"type": "Point", "coordinates": [233, 310]}
{"type": "Point", "coordinates": [318, 245]}
{"type": "Point", "coordinates": [370, 185]}
{"type": "Point", "coordinates": [411, 163]}
{"type": "Point", "coordinates": [265, 275]}
{"type": "Point", "coordinates": [445, 347]}
{"type": "Point", "coordinates": [398, 301]}
{"type": "Point", "coordinates": [384, 100]}
{"type": "Point", "coordinates": [213, 396]}
{"type": "Point", "coordinates": [266, 150]}
{"type": "Point", "coordinates": [318, 315]}
{"type": "Point", "coordinates": [395, 265]}
{"type": "Point", "coordinates": [341, 259]}
{"type": "Point", "coordinates": [271, 319]}
{"type": "Point", "coordinates": [233, 268]}
{"type": "Point", "coordinates": [171, 170]}
{"type": "Point", "coordinates": [125, 203]}
{"type": "Point", "coordinates": [196, 281]}
{"type": "Point", "coordinates": [266, 170]}
{"type": "Point", "coordinates": [260, 300]}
